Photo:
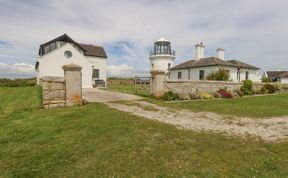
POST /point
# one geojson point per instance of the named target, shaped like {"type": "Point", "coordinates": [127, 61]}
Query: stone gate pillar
{"type": "Point", "coordinates": [157, 84]}
{"type": "Point", "coordinates": [73, 84]}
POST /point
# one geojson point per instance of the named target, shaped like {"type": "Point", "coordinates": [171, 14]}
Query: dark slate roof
{"type": "Point", "coordinates": [89, 50]}
{"type": "Point", "coordinates": [243, 65]}
{"type": "Point", "coordinates": [277, 74]}
{"type": "Point", "coordinates": [212, 61]}
{"type": "Point", "coordinates": [92, 50]}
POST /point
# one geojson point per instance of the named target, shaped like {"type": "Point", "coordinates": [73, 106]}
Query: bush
{"type": "Point", "coordinates": [239, 92]}
{"type": "Point", "coordinates": [193, 96]}
{"type": "Point", "coordinates": [278, 86]}
{"type": "Point", "coordinates": [270, 88]}
{"type": "Point", "coordinates": [247, 87]}
{"type": "Point", "coordinates": [170, 96]}
{"type": "Point", "coordinates": [203, 95]}
{"type": "Point", "coordinates": [266, 80]}
{"type": "Point", "coordinates": [217, 95]}
{"type": "Point", "coordinates": [17, 82]}
{"type": "Point", "coordinates": [225, 94]}
{"type": "Point", "coordinates": [220, 75]}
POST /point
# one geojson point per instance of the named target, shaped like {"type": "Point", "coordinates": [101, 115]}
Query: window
{"type": "Point", "coordinates": [46, 49]}
{"type": "Point", "coordinates": [247, 75]}
{"type": "Point", "coordinates": [95, 73]}
{"type": "Point", "coordinates": [52, 46]}
{"type": "Point", "coordinates": [201, 74]}
{"type": "Point", "coordinates": [68, 54]}
{"type": "Point", "coordinates": [179, 75]}
{"type": "Point", "coordinates": [238, 74]}
{"type": "Point", "coordinates": [169, 65]}
{"type": "Point", "coordinates": [152, 66]}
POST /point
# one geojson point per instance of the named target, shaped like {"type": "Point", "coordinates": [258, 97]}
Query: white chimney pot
{"type": "Point", "coordinates": [199, 51]}
{"type": "Point", "coordinates": [220, 53]}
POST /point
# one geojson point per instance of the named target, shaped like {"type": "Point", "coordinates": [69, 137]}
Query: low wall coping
{"type": "Point", "coordinates": [203, 82]}
{"type": "Point", "coordinates": [155, 72]}
{"type": "Point", "coordinates": [71, 67]}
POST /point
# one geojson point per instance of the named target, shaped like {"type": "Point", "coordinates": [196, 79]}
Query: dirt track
{"type": "Point", "coordinates": [268, 129]}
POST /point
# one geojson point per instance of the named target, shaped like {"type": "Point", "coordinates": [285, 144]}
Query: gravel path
{"type": "Point", "coordinates": [97, 95]}
{"type": "Point", "coordinates": [268, 129]}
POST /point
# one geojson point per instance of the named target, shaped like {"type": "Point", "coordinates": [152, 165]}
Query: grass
{"type": "Point", "coordinates": [257, 107]}
{"type": "Point", "coordinates": [97, 141]}
{"type": "Point", "coordinates": [130, 89]}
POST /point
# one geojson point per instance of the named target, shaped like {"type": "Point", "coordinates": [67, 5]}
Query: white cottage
{"type": "Point", "coordinates": [63, 50]}
{"type": "Point", "coordinates": [277, 76]}
{"type": "Point", "coordinates": [200, 67]}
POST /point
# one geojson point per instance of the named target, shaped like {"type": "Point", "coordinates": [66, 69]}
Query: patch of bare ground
{"type": "Point", "coordinates": [269, 129]}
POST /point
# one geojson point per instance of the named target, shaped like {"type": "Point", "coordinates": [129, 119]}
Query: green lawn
{"type": "Point", "coordinates": [255, 106]}
{"type": "Point", "coordinates": [259, 106]}
{"type": "Point", "coordinates": [131, 89]}
{"type": "Point", "coordinates": [96, 141]}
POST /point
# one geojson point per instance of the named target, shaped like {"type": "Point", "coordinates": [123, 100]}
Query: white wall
{"type": "Point", "coordinates": [194, 73]}
{"type": "Point", "coordinates": [160, 62]}
{"type": "Point", "coordinates": [101, 64]}
{"type": "Point", "coordinates": [51, 64]}
{"type": "Point", "coordinates": [284, 80]}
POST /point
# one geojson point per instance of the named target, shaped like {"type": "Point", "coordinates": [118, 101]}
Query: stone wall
{"type": "Point", "coordinates": [63, 91]}
{"type": "Point", "coordinates": [53, 92]}
{"type": "Point", "coordinates": [186, 87]}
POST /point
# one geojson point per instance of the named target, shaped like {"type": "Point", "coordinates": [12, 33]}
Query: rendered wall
{"type": "Point", "coordinates": [51, 64]}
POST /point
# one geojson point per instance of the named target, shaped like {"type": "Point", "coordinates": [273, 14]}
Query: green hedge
{"type": "Point", "coordinates": [4, 82]}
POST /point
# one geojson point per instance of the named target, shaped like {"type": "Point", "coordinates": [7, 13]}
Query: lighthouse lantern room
{"type": "Point", "coordinates": [162, 56]}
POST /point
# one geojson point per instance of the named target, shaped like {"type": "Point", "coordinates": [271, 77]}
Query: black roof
{"type": "Point", "coordinates": [212, 61]}
{"type": "Point", "coordinates": [92, 50]}
{"type": "Point", "coordinates": [277, 74]}
{"type": "Point", "coordinates": [89, 50]}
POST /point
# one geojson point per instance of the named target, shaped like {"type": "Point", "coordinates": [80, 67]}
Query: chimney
{"type": "Point", "coordinates": [220, 53]}
{"type": "Point", "coordinates": [199, 51]}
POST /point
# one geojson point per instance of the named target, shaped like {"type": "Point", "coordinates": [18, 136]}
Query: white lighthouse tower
{"type": "Point", "coordinates": [161, 57]}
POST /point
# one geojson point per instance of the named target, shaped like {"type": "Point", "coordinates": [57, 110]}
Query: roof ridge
{"type": "Point", "coordinates": [90, 45]}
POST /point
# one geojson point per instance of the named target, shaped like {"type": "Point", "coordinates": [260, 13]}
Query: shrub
{"type": "Point", "coordinates": [193, 96]}
{"type": "Point", "coordinates": [17, 82]}
{"type": "Point", "coordinates": [217, 95]}
{"type": "Point", "coordinates": [278, 86]}
{"type": "Point", "coordinates": [225, 94]}
{"type": "Point", "coordinates": [247, 87]}
{"type": "Point", "coordinates": [170, 96]}
{"type": "Point", "coordinates": [266, 80]}
{"type": "Point", "coordinates": [220, 75]}
{"type": "Point", "coordinates": [270, 88]}
{"type": "Point", "coordinates": [203, 95]}
{"type": "Point", "coordinates": [239, 92]}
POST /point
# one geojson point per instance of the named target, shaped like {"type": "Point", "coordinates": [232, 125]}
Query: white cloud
{"type": "Point", "coordinates": [255, 33]}
{"type": "Point", "coordinates": [24, 65]}
{"type": "Point", "coordinates": [3, 64]}
{"type": "Point", "coordinates": [17, 70]}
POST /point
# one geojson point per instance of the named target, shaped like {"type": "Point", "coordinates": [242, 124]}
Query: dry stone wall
{"type": "Point", "coordinates": [63, 91]}
{"type": "Point", "coordinates": [53, 92]}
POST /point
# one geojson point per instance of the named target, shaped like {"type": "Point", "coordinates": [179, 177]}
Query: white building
{"type": "Point", "coordinates": [277, 76]}
{"type": "Point", "coordinates": [200, 67]}
{"type": "Point", "coordinates": [161, 57]}
{"type": "Point", "coordinates": [63, 50]}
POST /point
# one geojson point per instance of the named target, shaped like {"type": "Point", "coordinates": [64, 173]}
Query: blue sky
{"type": "Point", "coordinates": [254, 31]}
